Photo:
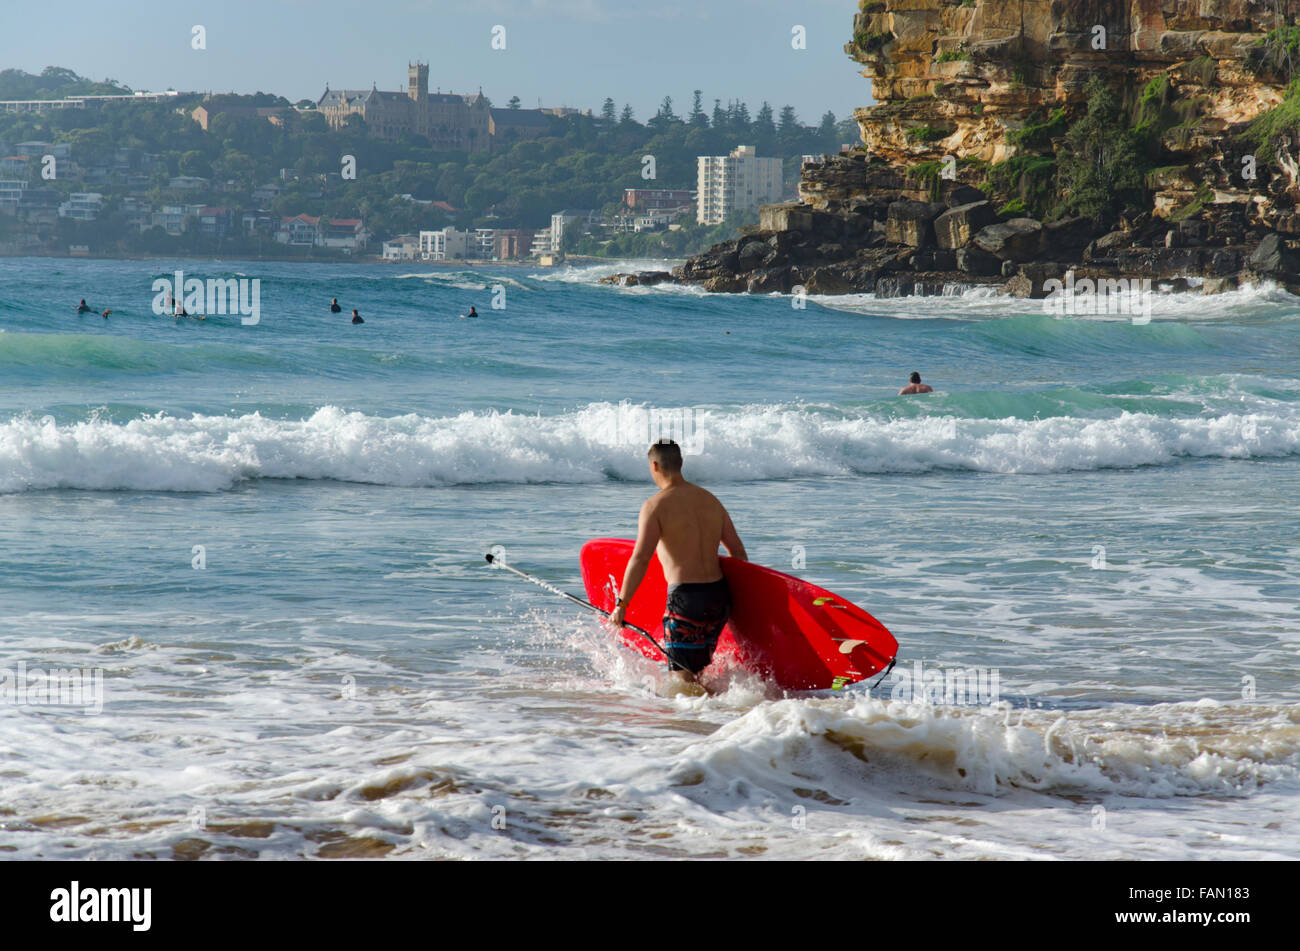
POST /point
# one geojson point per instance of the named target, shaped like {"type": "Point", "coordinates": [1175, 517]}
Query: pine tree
{"type": "Point", "coordinates": [698, 119]}
{"type": "Point", "coordinates": [788, 128]}
{"type": "Point", "coordinates": [607, 111]}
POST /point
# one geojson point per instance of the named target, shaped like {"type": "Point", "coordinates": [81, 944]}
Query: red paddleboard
{"type": "Point", "coordinates": [795, 634]}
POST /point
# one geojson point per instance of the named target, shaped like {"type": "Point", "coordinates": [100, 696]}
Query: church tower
{"type": "Point", "coordinates": [417, 81]}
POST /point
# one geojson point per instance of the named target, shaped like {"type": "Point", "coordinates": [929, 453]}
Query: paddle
{"type": "Point", "coordinates": [491, 559]}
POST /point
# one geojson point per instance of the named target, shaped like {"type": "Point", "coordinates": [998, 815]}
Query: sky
{"type": "Point", "coordinates": [561, 52]}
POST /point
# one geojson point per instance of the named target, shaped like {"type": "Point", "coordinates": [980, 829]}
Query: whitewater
{"type": "Point", "coordinates": [269, 542]}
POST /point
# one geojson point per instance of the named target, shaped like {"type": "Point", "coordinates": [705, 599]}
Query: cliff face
{"type": "Point", "coordinates": [968, 75]}
{"type": "Point", "coordinates": [1019, 140]}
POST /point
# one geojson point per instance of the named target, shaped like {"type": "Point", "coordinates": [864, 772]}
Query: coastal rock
{"type": "Point", "coordinates": [1068, 238]}
{"type": "Point", "coordinates": [909, 222]}
{"type": "Point", "coordinates": [1019, 239]}
{"type": "Point", "coordinates": [769, 281]}
{"type": "Point", "coordinates": [1272, 258]}
{"type": "Point", "coordinates": [956, 227]}
{"type": "Point", "coordinates": [1031, 279]}
{"type": "Point", "coordinates": [978, 262]}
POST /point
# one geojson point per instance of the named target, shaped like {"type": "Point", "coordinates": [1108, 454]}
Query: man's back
{"type": "Point", "coordinates": [692, 523]}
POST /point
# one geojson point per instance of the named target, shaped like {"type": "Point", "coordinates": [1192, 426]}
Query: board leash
{"type": "Point", "coordinates": [494, 562]}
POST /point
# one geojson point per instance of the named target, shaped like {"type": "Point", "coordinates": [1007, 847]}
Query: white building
{"type": "Point", "coordinates": [483, 243]}
{"type": "Point", "coordinates": [735, 182]}
{"type": "Point", "coordinates": [82, 206]}
{"type": "Point", "coordinates": [542, 243]}
{"type": "Point", "coordinates": [562, 220]}
{"type": "Point", "coordinates": [11, 192]}
{"type": "Point", "coordinates": [405, 247]}
{"type": "Point", "coordinates": [445, 245]}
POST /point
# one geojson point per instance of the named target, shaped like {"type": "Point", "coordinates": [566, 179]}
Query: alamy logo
{"type": "Point", "coordinates": [954, 686]}
{"type": "Point", "coordinates": [57, 687]}
{"type": "Point", "coordinates": [103, 904]}
{"type": "Point", "coordinates": [1086, 297]}
{"type": "Point", "coordinates": [640, 426]}
{"type": "Point", "coordinates": [194, 297]}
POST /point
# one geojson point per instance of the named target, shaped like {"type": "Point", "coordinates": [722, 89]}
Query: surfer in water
{"type": "Point", "coordinates": [356, 318]}
{"type": "Point", "coordinates": [334, 306]}
{"type": "Point", "coordinates": [83, 307]}
{"type": "Point", "coordinates": [472, 312]}
{"type": "Point", "coordinates": [685, 524]}
{"type": "Point", "coordinates": [915, 386]}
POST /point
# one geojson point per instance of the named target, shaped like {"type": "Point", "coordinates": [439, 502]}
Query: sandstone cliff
{"type": "Point", "coordinates": [976, 162]}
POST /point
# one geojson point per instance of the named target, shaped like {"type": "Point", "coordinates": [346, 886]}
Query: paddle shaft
{"type": "Point", "coordinates": [586, 604]}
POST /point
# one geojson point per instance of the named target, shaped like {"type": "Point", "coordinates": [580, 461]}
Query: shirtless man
{"type": "Point", "coordinates": [915, 386]}
{"type": "Point", "coordinates": [685, 524]}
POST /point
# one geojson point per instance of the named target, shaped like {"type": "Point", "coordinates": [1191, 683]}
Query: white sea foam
{"type": "Point", "coordinates": [208, 453]}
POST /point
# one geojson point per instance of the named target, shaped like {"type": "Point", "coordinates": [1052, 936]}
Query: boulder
{"type": "Point", "coordinates": [1066, 239]}
{"type": "Point", "coordinates": [1031, 279]}
{"type": "Point", "coordinates": [751, 254]}
{"type": "Point", "coordinates": [828, 280]}
{"type": "Point", "coordinates": [1273, 258]}
{"type": "Point", "coordinates": [977, 261]}
{"type": "Point", "coordinates": [1019, 239]}
{"type": "Point", "coordinates": [769, 280]}
{"type": "Point", "coordinates": [956, 227]}
{"type": "Point", "coordinates": [787, 216]}
{"type": "Point", "coordinates": [956, 193]}
{"type": "Point", "coordinates": [1107, 244]}
{"type": "Point", "coordinates": [909, 222]}
{"type": "Point", "coordinates": [725, 284]}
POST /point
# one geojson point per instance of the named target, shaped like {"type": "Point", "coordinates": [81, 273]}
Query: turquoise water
{"type": "Point", "coordinates": [1103, 513]}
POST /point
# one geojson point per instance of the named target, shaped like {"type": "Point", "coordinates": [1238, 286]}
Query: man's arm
{"type": "Point", "coordinates": [647, 538]}
{"type": "Point", "coordinates": [730, 539]}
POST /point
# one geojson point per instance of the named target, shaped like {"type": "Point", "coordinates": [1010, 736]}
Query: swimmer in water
{"type": "Point", "coordinates": [334, 306]}
{"type": "Point", "coordinates": [356, 318]}
{"type": "Point", "coordinates": [106, 313]}
{"type": "Point", "coordinates": [915, 386]}
{"type": "Point", "coordinates": [83, 307]}
{"type": "Point", "coordinates": [472, 312]}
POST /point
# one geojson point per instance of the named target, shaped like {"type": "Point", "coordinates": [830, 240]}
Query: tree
{"type": "Point", "coordinates": [664, 117]}
{"type": "Point", "coordinates": [513, 103]}
{"type": "Point", "coordinates": [764, 126]}
{"type": "Point", "coordinates": [1102, 166]}
{"type": "Point", "coordinates": [608, 114]}
{"type": "Point", "coordinates": [720, 117]}
{"type": "Point", "coordinates": [698, 119]}
{"type": "Point", "coordinates": [628, 117]}
{"type": "Point", "coordinates": [788, 129]}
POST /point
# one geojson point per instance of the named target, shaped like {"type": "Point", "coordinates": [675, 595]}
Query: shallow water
{"type": "Point", "coordinates": [1101, 513]}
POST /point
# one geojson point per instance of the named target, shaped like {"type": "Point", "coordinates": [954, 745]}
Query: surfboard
{"type": "Point", "coordinates": [795, 634]}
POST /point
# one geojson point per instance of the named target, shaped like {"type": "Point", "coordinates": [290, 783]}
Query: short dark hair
{"type": "Point", "coordinates": [668, 454]}
{"type": "Point", "coordinates": [916, 377]}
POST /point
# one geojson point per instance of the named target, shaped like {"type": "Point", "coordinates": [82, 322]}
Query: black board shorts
{"type": "Point", "coordinates": [694, 617]}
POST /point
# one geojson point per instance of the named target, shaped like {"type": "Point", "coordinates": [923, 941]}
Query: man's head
{"type": "Point", "coordinates": [915, 377]}
{"type": "Point", "coordinates": [665, 460]}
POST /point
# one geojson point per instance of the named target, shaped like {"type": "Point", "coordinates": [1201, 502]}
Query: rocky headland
{"type": "Point", "coordinates": [1014, 142]}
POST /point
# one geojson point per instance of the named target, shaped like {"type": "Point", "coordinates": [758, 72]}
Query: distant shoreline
{"type": "Point", "coordinates": [360, 259]}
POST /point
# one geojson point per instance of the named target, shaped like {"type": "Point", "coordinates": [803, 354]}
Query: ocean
{"type": "Point", "coordinates": [264, 544]}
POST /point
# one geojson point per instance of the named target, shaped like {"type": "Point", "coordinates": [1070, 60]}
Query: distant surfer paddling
{"type": "Point", "coordinates": [356, 318]}
{"type": "Point", "coordinates": [685, 524]}
{"type": "Point", "coordinates": [472, 312]}
{"type": "Point", "coordinates": [334, 306]}
{"type": "Point", "coordinates": [83, 307]}
{"type": "Point", "coordinates": [915, 386]}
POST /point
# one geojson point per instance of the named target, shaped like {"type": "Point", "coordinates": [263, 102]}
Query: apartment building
{"type": "Point", "coordinates": [735, 182]}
